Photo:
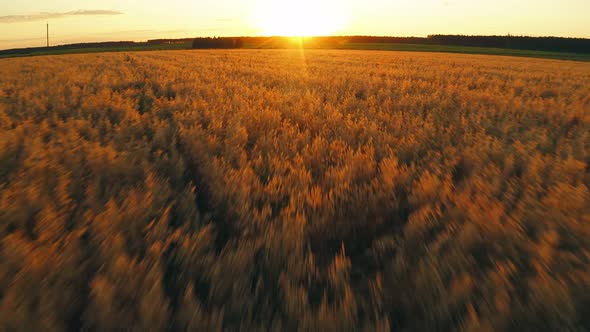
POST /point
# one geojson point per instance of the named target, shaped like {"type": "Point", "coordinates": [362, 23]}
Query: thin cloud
{"type": "Point", "coordinates": [46, 16]}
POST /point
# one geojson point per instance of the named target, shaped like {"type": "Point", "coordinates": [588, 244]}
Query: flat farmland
{"type": "Point", "coordinates": [324, 190]}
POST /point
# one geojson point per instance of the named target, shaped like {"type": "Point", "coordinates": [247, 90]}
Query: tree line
{"type": "Point", "coordinates": [218, 42]}
{"type": "Point", "coordinates": [555, 44]}
{"type": "Point", "coordinates": [552, 44]}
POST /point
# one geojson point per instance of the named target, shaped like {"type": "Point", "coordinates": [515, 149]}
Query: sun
{"type": "Point", "coordinates": [298, 17]}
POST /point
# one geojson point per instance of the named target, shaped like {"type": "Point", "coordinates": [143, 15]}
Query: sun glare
{"type": "Point", "coordinates": [299, 17]}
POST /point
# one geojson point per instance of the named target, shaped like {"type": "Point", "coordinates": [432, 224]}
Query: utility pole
{"type": "Point", "coordinates": [47, 34]}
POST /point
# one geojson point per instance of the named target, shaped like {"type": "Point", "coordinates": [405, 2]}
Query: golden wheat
{"type": "Point", "coordinates": [294, 190]}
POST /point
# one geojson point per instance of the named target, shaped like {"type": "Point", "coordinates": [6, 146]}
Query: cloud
{"type": "Point", "coordinates": [46, 16]}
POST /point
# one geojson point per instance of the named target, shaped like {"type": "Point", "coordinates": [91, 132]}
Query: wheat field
{"type": "Point", "coordinates": [290, 190]}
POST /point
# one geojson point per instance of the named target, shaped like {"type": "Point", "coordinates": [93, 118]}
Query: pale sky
{"type": "Point", "coordinates": [22, 22]}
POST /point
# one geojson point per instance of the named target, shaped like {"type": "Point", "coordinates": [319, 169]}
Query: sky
{"type": "Point", "coordinates": [23, 22]}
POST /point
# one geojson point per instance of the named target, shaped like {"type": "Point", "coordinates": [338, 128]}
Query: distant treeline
{"type": "Point", "coordinates": [218, 42]}
{"type": "Point", "coordinates": [170, 41]}
{"type": "Point", "coordinates": [554, 44]}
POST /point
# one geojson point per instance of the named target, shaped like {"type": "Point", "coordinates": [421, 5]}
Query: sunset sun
{"type": "Point", "coordinates": [298, 18]}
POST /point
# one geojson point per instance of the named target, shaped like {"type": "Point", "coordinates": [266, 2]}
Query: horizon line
{"type": "Point", "coordinates": [139, 41]}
